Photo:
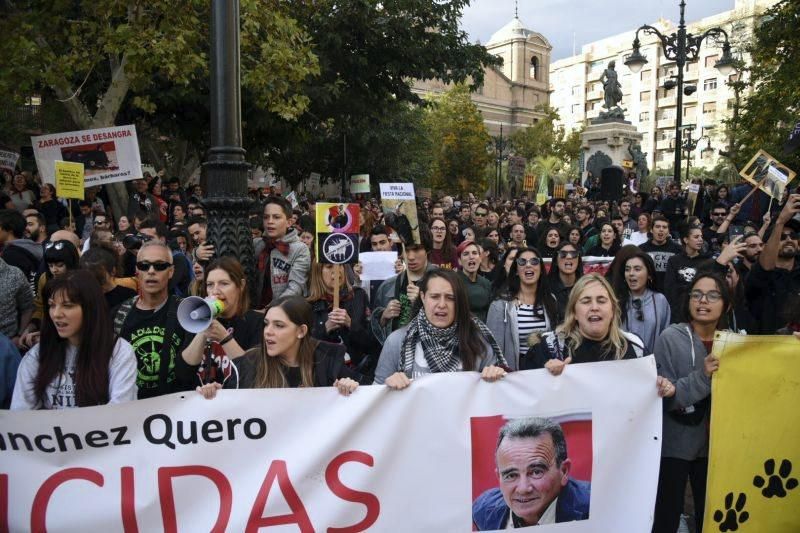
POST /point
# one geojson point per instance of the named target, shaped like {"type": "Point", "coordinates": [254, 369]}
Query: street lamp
{"type": "Point", "coordinates": [226, 169]}
{"type": "Point", "coordinates": [500, 145]}
{"type": "Point", "coordinates": [681, 47]}
{"type": "Point", "coordinates": [690, 145]}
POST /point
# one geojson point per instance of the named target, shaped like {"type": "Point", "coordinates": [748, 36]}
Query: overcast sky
{"type": "Point", "coordinates": [587, 20]}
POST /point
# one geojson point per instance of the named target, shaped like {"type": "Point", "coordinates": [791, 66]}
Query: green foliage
{"type": "Point", "coordinates": [770, 112]}
{"type": "Point", "coordinates": [369, 51]}
{"type": "Point", "coordinates": [459, 142]}
{"type": "Point", "coordinates": [544, 138]}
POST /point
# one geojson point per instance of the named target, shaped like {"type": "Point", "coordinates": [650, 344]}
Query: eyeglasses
{"type": "Point", "coordinates": [637, 304]}
{"type": "Point", "coordinates": [565, 254]}
{"type": "Point", "coordinates": [159, 266]}
{"type": "Point", "coordinates": [439, 228]}
{"type": "Point", "coordinates": [533, 261]}
{"type": "Point", "coordinates": [710, 296]}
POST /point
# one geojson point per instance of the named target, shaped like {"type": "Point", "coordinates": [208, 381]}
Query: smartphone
{"type": "Point", "coordinates": [735, 231]}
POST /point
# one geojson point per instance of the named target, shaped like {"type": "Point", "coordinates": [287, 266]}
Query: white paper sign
{"type": "Point", "coordinates": [378, 265]}
{"type": "Point", "coordinates": [397, 191]}
{"type": "Point", "coordinates": [107, 154]}
{"type": "Point", "coordinates": [421, 459]}
{"type": "Point", "coordinates": [8, 160]}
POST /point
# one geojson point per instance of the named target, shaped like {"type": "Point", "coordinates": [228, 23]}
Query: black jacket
{"type": "Point", "coordinates": [361, 344]}
{"type": "Point", "coordinates": [681, 270]}
{"type": "Point", "coordinates": [329, 366]}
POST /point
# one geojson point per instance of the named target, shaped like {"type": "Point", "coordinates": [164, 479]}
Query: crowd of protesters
{"type": "Point", "coordinates": [89, 297]}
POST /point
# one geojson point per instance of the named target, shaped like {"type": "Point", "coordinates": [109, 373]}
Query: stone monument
{"type": "Point", "coordinates": [608, 139]}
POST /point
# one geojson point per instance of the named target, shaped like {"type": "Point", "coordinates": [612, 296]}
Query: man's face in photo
{"type": "Point", "coordinates": [529, 478]}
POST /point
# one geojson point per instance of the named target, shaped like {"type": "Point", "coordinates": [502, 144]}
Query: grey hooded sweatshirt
{"type": "Point", "coordinates": [679, 355]}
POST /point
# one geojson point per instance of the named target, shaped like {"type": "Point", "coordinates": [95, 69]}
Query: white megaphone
{"type": "Point", "coordinates": [195, 314]}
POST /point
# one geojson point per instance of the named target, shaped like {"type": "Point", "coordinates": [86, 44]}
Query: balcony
{"type": "Point", "coordinates": [667, 101]}
{"type": "Point", "coordinates": [664, 144]}
{"type": "Point", "coordinates": [594, 95]}
{"type": "Point", "coordinates": [666, 123]}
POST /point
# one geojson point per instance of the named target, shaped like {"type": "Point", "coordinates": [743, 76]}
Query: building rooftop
{"type": "Point", "coordinates": [513, 30]}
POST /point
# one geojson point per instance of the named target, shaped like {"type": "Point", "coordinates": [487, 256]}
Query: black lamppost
{"type": "Point", "coordinates": [681, 47]}
{"type": "Point", "coordinates": [499, 149]}
{"type": "Point", "coordinates": [690, 145]}
{"type": "Point", "coordinates": [225, 169]}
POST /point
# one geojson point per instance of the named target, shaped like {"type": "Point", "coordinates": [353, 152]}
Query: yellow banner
{"type": "Point", "coordinates": [755, 435]}
{"type": "Point", "coordinates": [69, 179]}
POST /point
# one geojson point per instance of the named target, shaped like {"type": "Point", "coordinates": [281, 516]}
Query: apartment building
{"type": "Point", "coordinates": [577, 93]}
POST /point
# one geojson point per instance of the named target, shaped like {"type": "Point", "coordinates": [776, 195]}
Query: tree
{"type": "Point", "coordinates": [768, 115]}
{"type": "Point", "coordinates": [102, 57]}
{"type": "Point", "coordinates": [369, 51]}
{"type": "Point", "coordinates": [545, 138]}
{"type": "Point", "coordinates": [459, 142]}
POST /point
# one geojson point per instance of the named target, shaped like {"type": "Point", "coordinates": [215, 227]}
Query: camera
{"type": "Point", "coordinates": [134, 241]}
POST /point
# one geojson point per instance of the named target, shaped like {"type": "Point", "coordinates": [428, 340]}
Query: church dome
{"type": "Point", "coordinates": [513, 30]}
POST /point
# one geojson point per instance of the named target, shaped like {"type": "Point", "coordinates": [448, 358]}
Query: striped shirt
{"type": "Point", "coordinates": [530, 319]}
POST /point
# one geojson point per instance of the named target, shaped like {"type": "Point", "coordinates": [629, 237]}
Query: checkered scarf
{"type": "Point", "coordinates": [440, 346]}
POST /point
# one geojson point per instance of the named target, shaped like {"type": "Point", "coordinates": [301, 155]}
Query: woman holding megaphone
{"type": "Point", "coordinates": [235, 329]}
{"type": "Point", "coordinates": [289, 356]}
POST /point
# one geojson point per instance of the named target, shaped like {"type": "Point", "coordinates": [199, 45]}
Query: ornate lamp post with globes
{"type": "Point", "coordinates": [681, 47]}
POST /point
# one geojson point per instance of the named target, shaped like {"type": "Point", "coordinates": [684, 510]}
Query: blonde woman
{"type": "Point", "coordinates": [347, 324]}
{"type": "Point", "coordinates": [590, 332]}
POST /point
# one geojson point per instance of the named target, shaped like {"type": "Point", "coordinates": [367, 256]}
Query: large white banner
{"type": "Point", "coordinates": [313, 460]}
{"type": "Point", "coordinates": [107, 154]}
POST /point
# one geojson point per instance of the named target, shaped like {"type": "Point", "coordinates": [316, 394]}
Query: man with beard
{"type": "Point", "coordinates": [775, 278]}
{"type": "Point", "coordinates": [674, 206]}
{"type": "Point", "coordinates": [754, 248]}
{"type": "Point", "coordinates": [35, 228]}
{"type": "Point", "coordinates": [554, 221]}
{"type": "Point", "coordinates": [517, 215]}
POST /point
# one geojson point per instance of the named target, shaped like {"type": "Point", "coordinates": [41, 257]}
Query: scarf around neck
{"type": "Point", "coordinates": [440, 345]}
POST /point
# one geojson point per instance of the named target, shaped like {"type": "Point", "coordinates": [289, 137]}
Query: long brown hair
{"type": "Point", "coordinates": [470, 339]}
{"type": "Point", "coordinates": [234, 269]}
{"type": "Point", "coordinates": [96, 345]}
{"type": "Point", "coordinates": [270, 371]}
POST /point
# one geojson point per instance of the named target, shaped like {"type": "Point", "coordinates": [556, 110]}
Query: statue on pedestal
{"type": "Point", "coordinates": [612, 93]}
{"type": "Point", "coordinates": [639, 160]}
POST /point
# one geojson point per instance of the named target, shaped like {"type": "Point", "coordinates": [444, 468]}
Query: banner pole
{"type": "Point", "coordinates": [336, 282]}
{"type": "Point", "coordinates": [69, 202]}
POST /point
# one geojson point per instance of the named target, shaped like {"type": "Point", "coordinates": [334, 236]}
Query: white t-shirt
{"type": "Point", "coordinates": [60, 393]}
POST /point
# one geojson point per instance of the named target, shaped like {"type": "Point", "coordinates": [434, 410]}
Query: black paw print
{"type": "Point", "coordinates": [730, 519]}
{"type": "Point", "coordinates": [776, 485]}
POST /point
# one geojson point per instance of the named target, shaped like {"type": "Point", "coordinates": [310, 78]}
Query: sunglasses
{"type": "Point", "coordinates": [786, 236]}
{"type": "Point", "coordinates": [637, 305]}
{"type": "Point", "coordinates": [57, 245]}
{"type": "Point", "coordinates": [533, 261]}
{"type": "Point", "coordinates": [718, 214]}
{"type": "Point", "coordinates": [482, 214]}
{"type": "Point", "coordinates": [565, 254]}
{"type": "Point", "coordinates": [159, 266]}
{"type": "Point", "coordinates": [711, 296]}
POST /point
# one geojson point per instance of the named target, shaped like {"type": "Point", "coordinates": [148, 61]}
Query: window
{"type": "Point", "coordinates": [730, 105]}
{"type": "Point", "coordinates": [710, 84]}
{"type": "Point", "coordinates": [666, 70]}
{"type": "Point", "coordinates": [711, 61]}
{"type": "Point", "coordinates": [576, 89]}
{"type": "Point", "coordinates": [644, 96]}
{"type": "Point", "coordinates": [709, 108]}
{"type": "Point", "coordinates": [646, 75]}
{"type": "Point", "coordinates": [535, 68]}
{"type": "Point", "coordinates": [689, 111]}
{"type": "Point", "coordinates": [666, 135]}
{"type": "Point", "coordinates": [576, 108]}
{"type": "Point", "coordinates": [644, 116]}
{"type": "Point", "coordinates": [665, 93]}
{"type": "Point", "coordinates": [599, 64]}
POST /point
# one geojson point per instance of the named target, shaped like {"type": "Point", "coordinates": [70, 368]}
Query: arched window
{"type": "Point", "coordinates": [535, 67]}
